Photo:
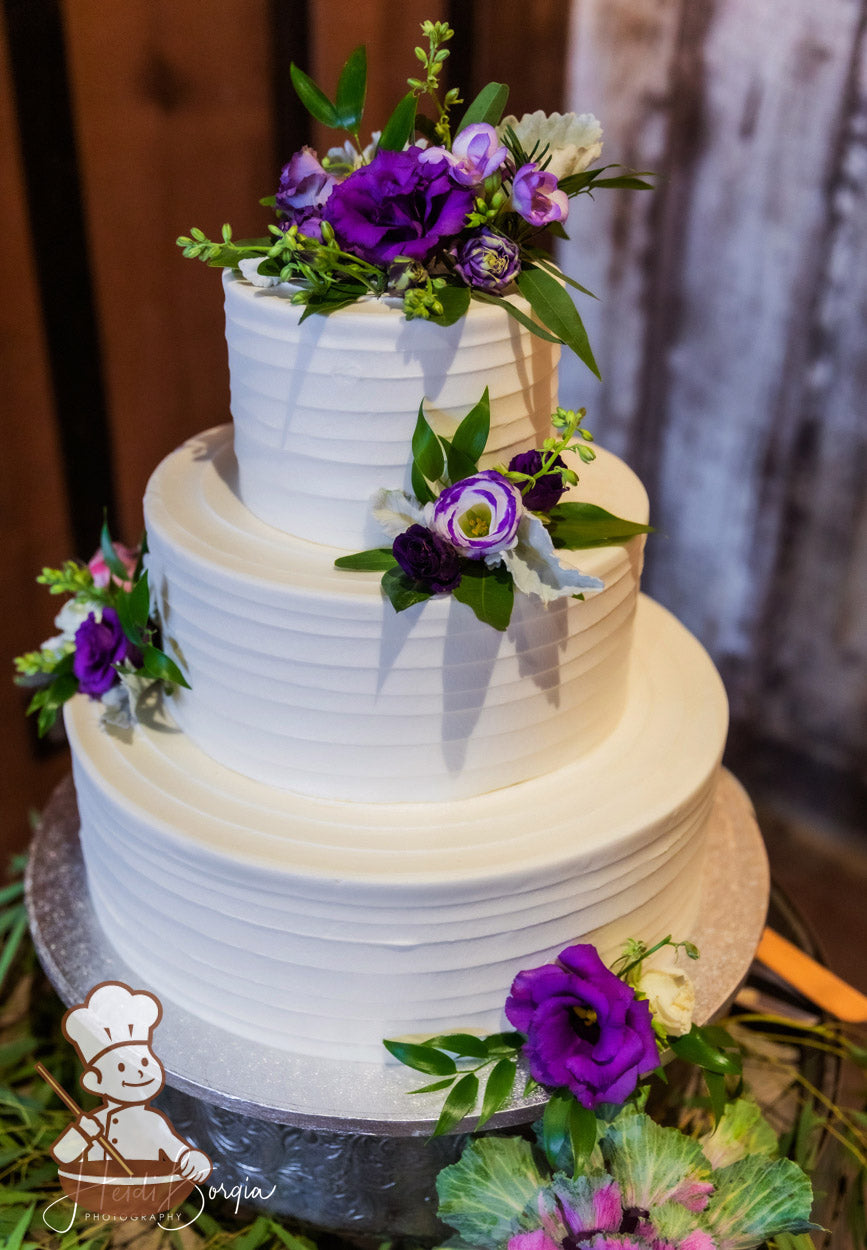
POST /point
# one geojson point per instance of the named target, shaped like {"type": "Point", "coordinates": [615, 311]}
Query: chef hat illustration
{"type": "Point", "coordinates": [111, 1015]}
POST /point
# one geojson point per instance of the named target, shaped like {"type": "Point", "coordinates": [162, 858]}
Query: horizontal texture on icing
{"type": "Point", "coordinates": [304, 677]}
{"type": "Point", "coordinates": [322, 926]}
{"type": "Point", "coordinates": [324, 411]}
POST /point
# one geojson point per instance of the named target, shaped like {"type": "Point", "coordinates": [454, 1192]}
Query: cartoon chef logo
{"type": "Point", "coordinates": [122, 1157]}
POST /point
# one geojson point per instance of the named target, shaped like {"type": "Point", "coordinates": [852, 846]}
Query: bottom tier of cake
{"type": "Point", "coordinates": [321, 927]}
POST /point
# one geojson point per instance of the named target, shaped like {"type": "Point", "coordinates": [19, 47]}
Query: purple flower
{"type": "Point", "coordinates": [546, 492]}
{"type": "Point", "coordinates": [99, 645]}
{"type": "Point", "coordinates": [585, 1028]}
{"type": "Point", "coordinates": [536, 196]}
{"type": "Point", "coordinates": [397, 205]}
{"type": "Point", "coordinates": [476, 153]}
{"type": "Point", "coordinates": [304, 188]}
{"type": "Point", "coordinates": [479, 515]}
{"type": "Point", "coordinates": [427, 558]}
{"type": "Point", "coordinates": [487, 260]}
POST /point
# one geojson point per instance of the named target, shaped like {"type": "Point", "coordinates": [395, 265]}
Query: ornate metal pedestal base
{"type": "Point", "coordinates": [340, 1145]}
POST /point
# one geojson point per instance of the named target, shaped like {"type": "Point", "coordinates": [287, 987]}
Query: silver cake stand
{"type": "Point", "coordinates": [337, 1144]}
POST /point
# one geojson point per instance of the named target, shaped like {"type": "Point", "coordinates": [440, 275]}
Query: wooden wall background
{"type": "Point", "coordinates": [730, 329]}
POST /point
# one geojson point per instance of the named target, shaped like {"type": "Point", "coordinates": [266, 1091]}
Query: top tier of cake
{"type": "Point", "coordinates": [324, 409]}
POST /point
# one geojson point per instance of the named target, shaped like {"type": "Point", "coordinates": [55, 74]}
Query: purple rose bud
{"type": "Point", "coordinates": [546, 492]}
{"type": "Point", "coordinates": [427, 558]}
{"type": "Point", "coordinates": [304, 188]}
{"type": "Point", "coordinates": [99, 645]}
{"type": "Point", "coordinates": [479, 516]}
{"type": "Point", "coordinates": [488, 261]}
{"type": "Point", "coordinates": [478, 154]}
{"type": "Point", "coordinates": [536, 196]}
{"type": "Point", "coordinates": [586, 1030]}
{"type": "Point", "coordinates": [398, 205]}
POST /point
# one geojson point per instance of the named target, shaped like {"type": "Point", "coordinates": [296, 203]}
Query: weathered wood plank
{"type": "Point", "coordinates": [32, 501]}
{"type": "Point", "coordinates": [174, 129]}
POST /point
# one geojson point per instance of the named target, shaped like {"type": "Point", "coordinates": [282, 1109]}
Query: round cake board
{"type": "Point", "coordinates": [267, 1083]}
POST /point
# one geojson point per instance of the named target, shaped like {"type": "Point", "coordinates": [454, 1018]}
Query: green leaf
{"type": "Point", "coordinates": [402, 592]}
{"type": "Point", "coordinates": [472, 434]}
{"type": "Point", "coordinates": [753, 1200]}
{"type": "Point", "coordinates": [556, 1128]}
{"type": "Point", "coordinates": [459, 464]}
{"type": "Point", "coordinates": [427, 452]}
{"type": "Point", "coordinates": [693, 1047]}
{"type": "Point", "coordinates": [553, 305]}
{"type": "Point", "coordinates": [375, 560]}
{"type": "Point", "coordinates": [489, 592]}
{"type": "Point", "coordinates": [487, 107]}
{"type": "Point", "coordinates": [421, 1058]}
{"type": "Point", "coordinates": [315, 101]}
{"type": "Point", "coordinates": [483, 1195]}
{"type": "Point", "coordinates": [459, 1104]}
{"type": "Point", "coordinates": [133, 609]}
{"type": "Point", "coordinates": [399, 128]}
{"type": "Point", "coordinates": [544, 262]}
{"type": "Point", "coordinates": [579, 526]}
{"type": "Point", "coordinates": [527, 322]}
{"type": "Point", "coordinates": [582, 1135]}
{"type": "Point", "coordinates": [11, 946]}
{"type": "Point", "coordinates": [627, 181]}
{"type": "Point", "coordinates": [498, 1089]}
{"type": "Point", "coordinates": [504, 1043]}
{"type": "Point", "coordinates": [420, 488]}
{"type": "Point", "coordinates": [115, 564]}
{"type": "Point", "coordinates": [161, 667]}
{"type": "Point", "coordinates": [16, 1237]}
{"type": "Point", "coordinates": [433, 1087]}
{"type": "Point", "coordinates": [716, 1088]}
{"type": "Point", "coordinates": [351, 90]}
{"type": "Point", "coordinates": [455, 301]}
{"type": "Point", "coordinates": [466, 1045]}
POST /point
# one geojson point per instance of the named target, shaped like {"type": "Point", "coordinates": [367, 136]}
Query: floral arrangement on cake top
{"type": "Point", "coordinates": [482, 535]}
{"type": "Point", "coordinates": [602, 1174]}
{"type": "Point", "coordinates": [432, 211]}
{"type": "Point", "coordinates": [107, 647]}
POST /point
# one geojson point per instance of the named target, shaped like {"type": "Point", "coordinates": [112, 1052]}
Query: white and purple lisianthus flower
{"type": "Point", "coordinates": [536, 196]}
{"type": "Point", "coordinates": [480, 515]}
{"type": "Point", "coordinates": [488, 261]}
{"type": "Point", "coordinates": [304, 188]}
{"type": "Point", "coordinates": [398, 205]}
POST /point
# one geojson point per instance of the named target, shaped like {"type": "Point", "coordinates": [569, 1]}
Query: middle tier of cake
{"type": "Point", "coordinates": [304, 677]}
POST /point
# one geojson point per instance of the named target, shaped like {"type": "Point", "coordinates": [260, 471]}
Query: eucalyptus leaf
{"type": "Point", "coordinates": [580, 526]}
{"type": "Point", "coordinates": [488, 106]}
{"type": "Point", "coordinates": [314, 100]}
{"type": "Point", "coordinates": [351, 90]}
{"type": "Point", "coordinates": [489, 592]}
{"type": "Point", "coordinates": [427, 452]}
{"type": "Point", "coordinates": [398, 130]}
{"type": "Point", "coordinates": [458, 1104]}
{"type": "Point", "coordinates": [553, 306]}
{"type": "Point", "coordinates": [421, 1058]}
{"type": "Point", "coordinates": [375, 560]}
{"type": "Point", "coordinates": [498, 1088]}
{"type": "Point", "coordinates": [161, 667]}
{"type": "Point", "coordinates": [455, 301]}
{"type": "Point", "coordinates": [472, 434]}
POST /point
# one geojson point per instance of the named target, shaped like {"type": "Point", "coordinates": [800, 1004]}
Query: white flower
{"type": "Point", "coordinates": [71, 615]}
{"type": "Point", "coordinates": [573, 142]}
{"type": "Point", "coordinates": [396, 511]}
{"type": "Point", "coordinates": [346, 158]}
{"type": "Point", "coordinates": [536, 570]}
{"type": "Point", "coordinates": [250, 270]}
{"type": "Point", "coordinates": [670, 994]}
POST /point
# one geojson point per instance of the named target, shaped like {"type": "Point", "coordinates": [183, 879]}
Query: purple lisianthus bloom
{"type": "Point", "coordinates": [427, 558]}
{"type": "Point", "coordinates": [99, 645]}
{"type": "Point", "coordinates": [479, 515]}
{"type": "Point", "coordinates": [488, 261]}
{"type": "Point", "coordinates": [586, 1031]}
{"type": "Point", "coordinates": [304, 188]}
{"type": "Point", "coordinates": [546, 492]}
{"type": "Point", "coordinates": [536, 196]}
{"type": "Point", "coordinates": [398, 205]}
